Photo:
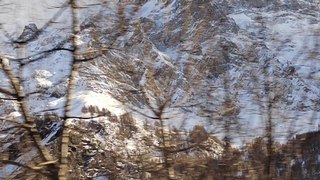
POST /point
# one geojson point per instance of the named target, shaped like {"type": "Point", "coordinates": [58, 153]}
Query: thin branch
{"type": "Point", "coordinates": [9, 99]}
{"type": "Point", "coordinates": [10, 128]}
{"type": "Point", "coordinates": [37, 169]}
{"type": "Point", "coordinates": [145, 115]}
{"type": "Point", "coordinates": [7, 92]}
{"type": "Point", "coordinates": [34, 168]}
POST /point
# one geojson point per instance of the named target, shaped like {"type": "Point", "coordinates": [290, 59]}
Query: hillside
{"type": "Point", "coordinates": [233, 69]}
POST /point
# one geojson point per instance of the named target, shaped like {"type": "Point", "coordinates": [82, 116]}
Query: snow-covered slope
{"type": "Point", "coordinates": [188, 40]}
{"type": "Point", "coordinates": [212, 59]}
{"type": "Point", "coordinates": [192, 46]}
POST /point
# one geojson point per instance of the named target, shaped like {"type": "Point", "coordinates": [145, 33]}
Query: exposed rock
{"type": "Point", "coordinates": [198, 134]}
{"type": "Point", "coordinates": [30, 32]}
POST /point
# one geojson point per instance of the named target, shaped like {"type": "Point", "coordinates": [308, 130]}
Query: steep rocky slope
{"type": "Point", "coordinates": [194, 51]}
{"type": "Point", "coordinates": [214, 61]}
{"type": "Point", "coordinates": [204, 51]}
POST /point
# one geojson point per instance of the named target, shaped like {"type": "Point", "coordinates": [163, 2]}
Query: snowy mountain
{"type": "Point", "coordinates": [217, 62]}
{"type": "Point", "coordinates": [195, 46]}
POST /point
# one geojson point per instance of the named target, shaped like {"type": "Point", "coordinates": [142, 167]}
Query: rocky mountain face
{"type": "Point", "coordinates": [204, 52]}
{"type": "Point", "coordinates": [219, 64]}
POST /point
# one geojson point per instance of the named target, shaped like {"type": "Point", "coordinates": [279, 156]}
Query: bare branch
{"type": "Point", "coordinates": [7, 92]}
{"type": "Point", "coordinates": [16, 84]}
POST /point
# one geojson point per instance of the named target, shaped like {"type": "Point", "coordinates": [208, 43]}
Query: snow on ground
{"type": "Point", "coordinates": [242, 20]}
{"type": "Point", "coordinates": [16, 14]}
{"type": "Point", "coordinates": [148, 7]}
{"type": "Point", "coordinates": [87, 98]}
{"type": "Point", "coordinates": [292, 38]}
{"type": "Point", "coordinates": [157, 10]}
